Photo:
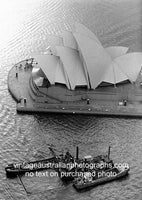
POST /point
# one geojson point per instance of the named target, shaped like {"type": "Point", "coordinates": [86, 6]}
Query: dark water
{"type": "Point", "coordinates": [24, 28]}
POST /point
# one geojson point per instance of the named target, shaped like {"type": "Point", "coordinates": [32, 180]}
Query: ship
{"type": "Point", "coordinates": [95, 178]}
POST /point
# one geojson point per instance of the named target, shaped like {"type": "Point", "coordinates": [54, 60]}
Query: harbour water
{"type": "Point", "coordinates": [25, 26]}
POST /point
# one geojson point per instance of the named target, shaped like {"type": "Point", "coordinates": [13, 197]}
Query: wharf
{"type": "Point", "coordinates": [19, 87]}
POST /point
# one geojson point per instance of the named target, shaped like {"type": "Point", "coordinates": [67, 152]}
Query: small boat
{"type": "Point", "coordinates": [94, 178]}
{"type": "Point", "coordinates": [76, 165]}
{"type": "Point", "coordinates": [15, 169]}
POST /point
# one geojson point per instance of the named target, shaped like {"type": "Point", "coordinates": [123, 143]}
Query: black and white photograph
{"type": "Point", "coordinates": [71, 100]}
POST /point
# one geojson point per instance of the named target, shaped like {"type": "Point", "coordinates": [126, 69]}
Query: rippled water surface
{"type": "Point", "coordinates": [25, 26]}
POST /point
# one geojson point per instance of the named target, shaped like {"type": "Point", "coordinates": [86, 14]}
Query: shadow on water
{"type": "Point", "coordinates": [68, 115]}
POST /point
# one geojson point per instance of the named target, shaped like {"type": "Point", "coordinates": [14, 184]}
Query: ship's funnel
{"type": "Point", "coordinates": [109, 152]}
{"type": "Point", "coordinates": [77, 152]}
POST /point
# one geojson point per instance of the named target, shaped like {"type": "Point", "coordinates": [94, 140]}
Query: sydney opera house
{"type": "Point", "coordinates": [76, 64]}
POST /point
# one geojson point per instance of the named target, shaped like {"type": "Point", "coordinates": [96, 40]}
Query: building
{"type": "Point", "coordinates": [76, 64]}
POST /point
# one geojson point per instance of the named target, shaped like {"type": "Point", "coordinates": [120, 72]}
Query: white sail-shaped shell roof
{"type": "Point", "coordinates": [53, 69]}
{"type": "Point", "coordinates": [69, 40]}
{"type": "Point", "coordinates": [114, 74]}
{"type": "Point", "coordinates": [72, 65]}
{"type": "Point", "coordinates": [123, 68]}
{"type": "Point", "coordinates": [116, 51]}
{"type": "Point", "coordinates": [78, 58]}
{"type": "Point", "coordinates": [60, 75]}
{"type": "Point", "coordinates": [48, 64]}
{"type": "Point", "coordinates": [80, 28]}
{"type": "Point", "coordinates": [130, 64]}
{"type": "Point", "coordinates": [96, 58]}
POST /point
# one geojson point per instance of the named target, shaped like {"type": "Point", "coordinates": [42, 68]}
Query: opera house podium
{"type": "Point", "coordinates": [77, 75]}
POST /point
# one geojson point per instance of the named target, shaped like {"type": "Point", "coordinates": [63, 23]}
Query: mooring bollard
{"type": "Point", "coordinates": [88, 101]}
{"type": "Point", "coordinates": [19, 101]}
{"type": "Point", "coordinates": [125, 102]}
{"type": "Point", "coordinates": [16, 74]}
{"type": "Point", "coordinates": [25, 100]}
